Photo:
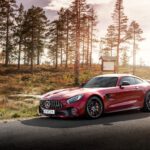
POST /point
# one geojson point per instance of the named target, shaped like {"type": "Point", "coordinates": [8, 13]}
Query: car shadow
{"type": "Point", "coordinates": [105, 120]}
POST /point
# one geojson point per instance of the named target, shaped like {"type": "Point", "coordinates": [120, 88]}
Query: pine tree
{"type": "Point", "coordinates": [77, 14]}
{"type": "Point", "coordinates": [19, 31]}
{"type": "Point", "coordinates": [35, 31]}
{"type": "Point", "coordinates": [63, 29]}
{"type": "Point", "coordinates": [111, 39]}
{"type": "Point", "coordinates": [42, 30]}
{"type": "Point", "coordinates": [7, 16]}
{"type": "Point", "coordinates": [93, 24]}
{"type": "Point", "coordinates": [125, 57]}
{"type": "Point", "coordinates": [2, 31]}
{"type": "Point", "coordinates": [135, 34]}
{"type": "Point", "coordinates": [120, 23]}
{"type": "Point", "coordinates": [79, 10]}
{"type": "Point", "coordinates": [85, 33]}
{"type": "Point", "coordinates": [67, 28]}
{"type": "Point", "coordinates": [53, 45]}
{"type": "Point", "coordinates": [102, 43]}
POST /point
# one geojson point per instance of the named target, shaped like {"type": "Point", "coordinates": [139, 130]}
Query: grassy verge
{"type": "Point", "coordinates": [18, 108]}
{"type": "Point", "coordinates": [7, 113]}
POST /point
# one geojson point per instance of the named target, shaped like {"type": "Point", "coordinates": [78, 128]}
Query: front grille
{"type": "Point", "coordinates": [51, 104]}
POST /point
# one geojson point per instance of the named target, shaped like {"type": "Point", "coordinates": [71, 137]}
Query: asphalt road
{"type": "Point", "coordinates": [127, 130]}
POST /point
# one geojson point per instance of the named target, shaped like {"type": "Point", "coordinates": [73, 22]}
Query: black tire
{"type": "Point", "coordinates": [146, 107]}
{"type": "Point", "coordinates": [94, 108]}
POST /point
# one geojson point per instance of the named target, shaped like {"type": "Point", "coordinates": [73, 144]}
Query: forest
{"type": "Point", "coordinates": [69, 40]}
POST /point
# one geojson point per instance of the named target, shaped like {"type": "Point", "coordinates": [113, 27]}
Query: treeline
{"type": "Point", "coordinates": [25, 35]}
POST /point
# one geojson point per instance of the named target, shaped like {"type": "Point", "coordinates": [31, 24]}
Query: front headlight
{"type": "Point", "coordinates": [74, 99]}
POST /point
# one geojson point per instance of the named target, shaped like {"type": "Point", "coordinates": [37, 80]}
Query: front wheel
{"type": "Point", "coordinates": [94, 108]}
{"type": "Point", "coordinates": [146, 107]}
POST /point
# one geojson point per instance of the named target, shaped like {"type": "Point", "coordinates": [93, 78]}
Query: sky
{"type": "Point", "coordinates": [137, 10]}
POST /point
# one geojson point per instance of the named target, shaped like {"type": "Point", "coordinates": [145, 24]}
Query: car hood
{"type": "Point", "coordinates": [66, 93]}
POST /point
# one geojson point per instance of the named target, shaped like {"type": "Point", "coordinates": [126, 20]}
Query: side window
{"type": "Point", "coordinates": [112, 82]}
{"type": "Point", "coordinates": [131, 80]}
{"type": "Point", "coordinates": [107, 82]}
{"type": "Point", "coordinates": [138, 81]}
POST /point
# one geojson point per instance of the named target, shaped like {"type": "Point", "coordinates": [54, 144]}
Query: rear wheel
{"type": "Point", "coordinates": [146, 107]}
{"type": "Point", "coordinates": [94, 108]}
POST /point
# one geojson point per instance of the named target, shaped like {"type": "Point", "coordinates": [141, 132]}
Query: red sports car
{"type": "Point", "coordinates": [101, 94]}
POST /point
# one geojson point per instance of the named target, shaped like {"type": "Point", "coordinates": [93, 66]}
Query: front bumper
{"type": "Point", "coordinates": [67, 111]}
{"type": "Point", "coordinates": [58, 113]}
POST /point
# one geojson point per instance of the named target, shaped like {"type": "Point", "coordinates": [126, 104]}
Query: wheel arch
{"type": "Point", "coordinates": [145, 94]}
{"type": "Point", "coordinates": [144, 108]}
{"type": "Point", "coordinates": [148, 91]}
{"type": "Point", "coordinates": [98, 96]}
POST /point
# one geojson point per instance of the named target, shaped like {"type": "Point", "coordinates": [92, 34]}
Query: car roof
{"type": "Point", "coordinates": [116, 75]}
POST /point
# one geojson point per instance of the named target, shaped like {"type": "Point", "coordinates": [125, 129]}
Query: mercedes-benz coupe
{"type": "Point", "coordinates": [101, 94]}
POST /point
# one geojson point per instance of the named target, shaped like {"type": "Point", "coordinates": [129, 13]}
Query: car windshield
{"type": "Point", "coordinates": [101, 82]}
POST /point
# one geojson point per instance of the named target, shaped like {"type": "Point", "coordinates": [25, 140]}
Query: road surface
{"type": "Point", "coordinates": [127, 130]}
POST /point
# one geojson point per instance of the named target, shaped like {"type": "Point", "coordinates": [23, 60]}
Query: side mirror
{"type": "Point", "coordinates": [124, 83]}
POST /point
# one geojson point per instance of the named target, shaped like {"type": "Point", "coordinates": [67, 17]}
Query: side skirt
{"type": "Point", "coordinates": [126, 109]}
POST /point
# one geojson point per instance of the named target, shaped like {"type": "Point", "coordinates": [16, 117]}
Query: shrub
{"type": "Point", "coordinates": [15, 115]}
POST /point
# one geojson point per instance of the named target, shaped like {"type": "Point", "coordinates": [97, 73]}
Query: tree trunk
{"type": "Point", "coordinates": [111, 47]}
{"type": "Point", "coordinates": [77, 52]}
{"type": "Point", "coordinates": [134, 54]}
{"type": "Point", "coordinates": [111, 50]}
{"type": "Point", "coordinates": [38, 50]}
{"type": "Point", "coordinates": [28, 59]}
{"type": "Point", "coordinates": [38, 56]}
{"type": "Point", "coordinates": [57, 42]}
{"type": "Point", "coordinates": [7, 39]}
{"type": "Point", "coordinates": [118, 45]}
{"type": "Point", "coordinates": [67, 41]}
{"type": "Point", "coordinates": [83, 51]}
{"type": "Point", "coordinates": [91, 53]}
{"type": "Point", "coordinates": [88, 44]}
{"type": "Point", "coordinates": [24, 58]}
{"type": "Point", "coordinates": [32, 50]}
{"type": "Point", "coordinates": [61, 54]}
{"type": "Point", "coordinates": [19, 55]}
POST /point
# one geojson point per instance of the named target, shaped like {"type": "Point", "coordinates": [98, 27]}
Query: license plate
{"type": "Point", "coordinates": [49, 112]}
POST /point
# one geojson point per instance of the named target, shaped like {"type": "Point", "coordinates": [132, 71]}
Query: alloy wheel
{"type": "Point", "coordinates": [94, 108]}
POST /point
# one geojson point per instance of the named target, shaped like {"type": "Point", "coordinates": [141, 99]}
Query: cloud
{"type": "Point", "coordinates": [28, 3]}
{"type": "Point", "coordinates": [57, 4]}
{"type": "Point", "coordinates": [98, 1]}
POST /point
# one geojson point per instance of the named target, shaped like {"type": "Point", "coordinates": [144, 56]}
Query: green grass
{"type": "Point", "coordinates": [18, 108]}
{"type": "Point", "coordinates": [7, 113]}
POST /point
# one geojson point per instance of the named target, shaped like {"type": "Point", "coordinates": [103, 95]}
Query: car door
{"type": "Point", "coordinates": [125, 97]}
{"type": "Point", "coordinates": [140, 95]}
